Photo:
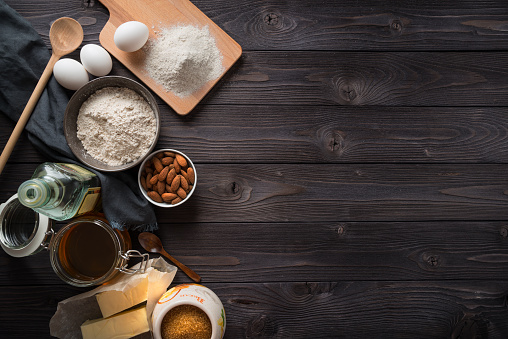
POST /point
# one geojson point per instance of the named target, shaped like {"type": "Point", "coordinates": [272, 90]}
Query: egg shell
{"type": "Point", "coordinates": [96, 60]}
{"type": "Point", "coordinates": [70, 73]}
{"type": "Point", "coordinates": [131, 36]}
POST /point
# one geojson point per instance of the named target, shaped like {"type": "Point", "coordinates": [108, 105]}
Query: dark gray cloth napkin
{"type": "Point", "coordinates": [23, 57]}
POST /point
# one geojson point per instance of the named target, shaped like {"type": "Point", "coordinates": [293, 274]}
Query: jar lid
{"type": "Point", "coordinates": [22, 230]}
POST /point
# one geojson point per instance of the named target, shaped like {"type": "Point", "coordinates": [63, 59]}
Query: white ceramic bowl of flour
{"type": "Point", "coordinates": [112, 123]}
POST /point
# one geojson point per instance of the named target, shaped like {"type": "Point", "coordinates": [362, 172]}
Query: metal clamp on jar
{"type": "Point", "coordinates": [85, 252]}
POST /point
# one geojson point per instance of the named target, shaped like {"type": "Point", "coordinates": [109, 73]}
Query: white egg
{"type": "Point", "coordinates": [70, 74]}
{"type": "Point", "coordinates": [96, 60]}
{"type": "Point", "coordinates": [131, 36]}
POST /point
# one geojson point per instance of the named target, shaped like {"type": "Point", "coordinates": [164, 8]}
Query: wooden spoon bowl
{"type": "Point", "coordinates": [65, 35]}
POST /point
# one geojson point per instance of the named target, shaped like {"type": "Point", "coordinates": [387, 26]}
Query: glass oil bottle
{"type": "Point", "coordinates": [60, 191]}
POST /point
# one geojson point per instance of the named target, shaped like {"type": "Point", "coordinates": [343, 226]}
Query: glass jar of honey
{"type": "Point", "coordinates": [85, 252]}
{"type": "Point", "coordinates": [88, 251]}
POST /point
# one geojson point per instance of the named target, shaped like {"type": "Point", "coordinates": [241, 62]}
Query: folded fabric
{"type": "Point", "coordinates": [23, 57]}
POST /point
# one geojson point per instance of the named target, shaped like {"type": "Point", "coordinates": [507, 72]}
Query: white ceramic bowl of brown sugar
{"type": "Point", "coordinates": [108, 123]}
{"type": "Point", "coordinates": [189, 311]}
{"type": "Point", "coordinates": [167, 178]}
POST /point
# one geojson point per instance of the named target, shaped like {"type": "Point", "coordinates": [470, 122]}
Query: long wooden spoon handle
{"type": "Point", "coordinates": [193, 275]}
{"type": "Point", "coordinates": [23, 119]}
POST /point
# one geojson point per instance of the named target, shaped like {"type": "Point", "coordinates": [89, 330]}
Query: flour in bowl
{"type": "Point", "coordinates": [116, 125]}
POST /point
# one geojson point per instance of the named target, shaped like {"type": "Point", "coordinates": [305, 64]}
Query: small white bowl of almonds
{"type": "Point", "coordinates": [167, 178]}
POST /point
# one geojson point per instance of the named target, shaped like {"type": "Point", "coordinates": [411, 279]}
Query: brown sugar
{"type": "Point", "coordinates": [186, 322]}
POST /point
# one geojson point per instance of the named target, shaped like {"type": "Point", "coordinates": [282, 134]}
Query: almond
{"type": "Point", "coordinates": [148, 177]}
{"type": "Point", "coordinates": [184, 174]}
{"type": "Point", "coordinates": [167, 161]}
{"type": "Point", "coordinates": [183, 183]}
{"type": "Point", "coordinates": [168, 197]}
{"type": "Point", "coordinates": [169, 154]}
{"type": "Point", "coordinates": [168, 189]}
{"type": "Point", "coordinates": [157, 164]}
{"type": "Point", "coordinates": [177, 166]}
{"type": "Point", "coordinates": [181, 160]}
{"type": "Point", "coordinates": [181, 193]}
{"type": "Point", "coordinates": [161, 187]}
{"type": "Point", "coordinates": [171, 176]}
{"type": "Point", "coordinates": [155, 196]}
{"type": "Point", "coordinates": [191, 175]}
{"type": "Point", "coordinates": [143, 182]}
{"type": "Point", "coordinates": [176, 201]}
{"type": "Point", "coordinates": [176, 183]}
{"type": "Point", "coordinates": [164, 173]}
{"type": "Point", "coordinates": [159, 155]}
{"type": "Point", "coordinates": [154, 180]}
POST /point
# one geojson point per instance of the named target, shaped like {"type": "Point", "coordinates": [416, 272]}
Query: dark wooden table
{"type": "Point", "coordinates": [353, 172]}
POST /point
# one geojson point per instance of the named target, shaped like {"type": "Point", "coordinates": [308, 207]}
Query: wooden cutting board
{"type": "Point", "coordinates": [157, 14]}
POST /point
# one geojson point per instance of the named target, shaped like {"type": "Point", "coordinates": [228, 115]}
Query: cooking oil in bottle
{"type": "Point", "coordinates": [60, 191]}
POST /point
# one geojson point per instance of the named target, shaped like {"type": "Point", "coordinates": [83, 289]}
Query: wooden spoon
{"type": "Point", "coordinates": [65, 35]}
{"type": "Point", "coordinates": [152, 243]}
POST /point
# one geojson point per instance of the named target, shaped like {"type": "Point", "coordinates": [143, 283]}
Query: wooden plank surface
{"type": "Point", "coordinates": [304, 192]}
{"type": "Point", "coordinates": [318, 251]}
{"type": "Point", "coordinates": [428, 79]}
{"type": "Point", "coordinates": [324, 134]}
{"type": "Point", "coordinates": [352, 172]}
{"type": "Point", "coordinates": [331, 25]}
{"type": "Point", "coordinates": [342, 309]}
{"type": "Point", "coordinates": [367, 78]}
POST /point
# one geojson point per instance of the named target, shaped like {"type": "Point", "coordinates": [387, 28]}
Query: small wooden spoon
{"type": "Point", "coordinates": [66, 35]}
{"type": "Point", "coordinates": [152, 243]}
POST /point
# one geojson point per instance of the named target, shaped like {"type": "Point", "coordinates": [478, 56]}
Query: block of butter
{"type": "Point", "coordinates": [113, 302]}
{"type": "Point", "coordinates": [121, 326]}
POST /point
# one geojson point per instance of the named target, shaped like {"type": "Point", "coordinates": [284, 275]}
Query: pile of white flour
{"type": "Point", "coordinates": [183, 59]}
{"type": "Point", "coordinates": [116, 125]}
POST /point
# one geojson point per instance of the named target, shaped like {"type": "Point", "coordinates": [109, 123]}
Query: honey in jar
{"type": "Point", "coordinates": [87, 251]}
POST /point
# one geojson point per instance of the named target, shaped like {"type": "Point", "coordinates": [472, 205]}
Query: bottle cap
{"type": "Point", "coordinates": [33, 193]}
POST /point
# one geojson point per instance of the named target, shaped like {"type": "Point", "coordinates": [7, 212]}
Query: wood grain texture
{"type": "Point", "coordinates": [292, 193]}
{"type": "Point", "coordinates": [319, 251]}
{"type": "Point", "coordinates": [453, 79]}
{"type": "Point", "coordinates": [346, 193]}
{"type": "Point", "coordinates": [334, 25]}
{"type": "Point", "coordinates": [341, 309]}
{"type": "Point", "coordinates": [324, 134]}
{"type": "Point", "coordinates": [361, 79]}
{"type": "Point", "coordinates": [364, 310]}
{"type": "Point", "coordinates": [365, 25]}
{"type": "Point", "coordinates": [351, 172]}
{"type": "Point", "coordinates": [368, 78]}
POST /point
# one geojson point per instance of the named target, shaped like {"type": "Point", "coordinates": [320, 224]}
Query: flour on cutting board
{"type": "Point", "coordinates": [183, 59]}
